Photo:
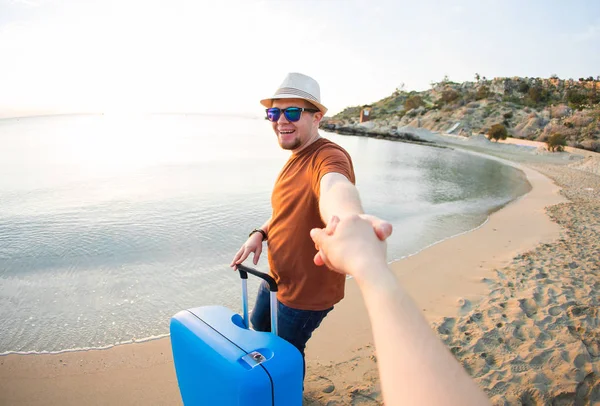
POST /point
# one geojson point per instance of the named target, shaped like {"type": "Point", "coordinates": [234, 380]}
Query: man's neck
{"type": "Point", "coordinates": [312, 140]}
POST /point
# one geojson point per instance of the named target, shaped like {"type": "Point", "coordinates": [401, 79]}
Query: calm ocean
{"type": "Point", "coordinates": [109, 225]}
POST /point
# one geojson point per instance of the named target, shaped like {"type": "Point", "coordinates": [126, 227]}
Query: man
{"type": "Point", "coordinates": [316, 183]}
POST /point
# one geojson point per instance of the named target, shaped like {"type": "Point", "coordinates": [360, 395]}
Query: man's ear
{"type": "Point", "coordinates": [318, 117]}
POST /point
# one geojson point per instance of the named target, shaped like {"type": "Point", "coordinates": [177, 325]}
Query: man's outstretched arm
{"type": "Point", "coordinates": [339, 197]}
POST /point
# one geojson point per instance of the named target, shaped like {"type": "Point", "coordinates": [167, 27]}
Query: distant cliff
{"type": "Point", "coordinates": [530, 108]}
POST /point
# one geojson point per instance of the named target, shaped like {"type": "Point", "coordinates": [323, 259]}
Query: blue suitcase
{"type": "Point", "coordinates": [220, 361]}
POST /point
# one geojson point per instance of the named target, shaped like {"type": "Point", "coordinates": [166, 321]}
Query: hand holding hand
{"type": "Point", "coordinates": [349, 246]}
{"type": "Point", "coordinates": [382, 229]}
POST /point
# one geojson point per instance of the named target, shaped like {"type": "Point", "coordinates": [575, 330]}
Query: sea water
{"type": "Point", "coordinates": [110, 224]}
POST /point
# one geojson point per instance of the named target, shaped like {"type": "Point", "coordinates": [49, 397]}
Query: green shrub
{"type": "Point", "coordinates": [537, 94]}
{"type": "Point", "coordinates": [576, 99]}
{"type": "Point", "coordinates": [497, 132]}
{"type": "Point", "coordinates": [523, 87]}
{"type": "Point", "coordinates": [556, 142]}
{"type": "Point", "coordinates": [512, 99]}
{"type": "Point", "coordinates": [469, 96]}
{"type": "Point", "coordinates": [482, 93]}
{"type": "Point", "coordinates": [487, 111]}
{"type": "Point", "coordinates": [413, 102]}
{"type": "Point", "coordinates": [448, 96]}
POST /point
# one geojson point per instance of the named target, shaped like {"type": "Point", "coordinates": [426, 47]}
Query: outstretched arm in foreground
{"type": "Point", "coordinates": [414, 365]}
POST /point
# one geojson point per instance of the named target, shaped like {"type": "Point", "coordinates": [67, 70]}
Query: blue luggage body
{"type": "Point", "coordinates": [219, 361]}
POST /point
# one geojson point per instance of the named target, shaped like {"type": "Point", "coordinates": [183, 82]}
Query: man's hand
{"type": "Point", "coordinates": [349, 246]}
{"type": "Point", "coordinates": [252, 244]}
{"type": "Point", "coordinates": [382, 230]}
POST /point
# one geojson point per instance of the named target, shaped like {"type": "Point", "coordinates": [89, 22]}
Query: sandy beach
{"type": "Point", "coordinates": [515, 301]}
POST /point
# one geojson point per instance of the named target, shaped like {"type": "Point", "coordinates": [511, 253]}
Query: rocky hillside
{"type": "Point", "coordinates": [530, 108]}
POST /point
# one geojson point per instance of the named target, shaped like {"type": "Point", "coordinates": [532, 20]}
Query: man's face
{"type": "Point", "coordinates": [296, 135]}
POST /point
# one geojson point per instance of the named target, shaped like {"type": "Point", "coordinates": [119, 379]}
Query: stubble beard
{"type": "Point", "coordinates": [295, 143]}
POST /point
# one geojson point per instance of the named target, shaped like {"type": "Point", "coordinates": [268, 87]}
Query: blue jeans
{"type": "Point", "coordinates": [294, 325]}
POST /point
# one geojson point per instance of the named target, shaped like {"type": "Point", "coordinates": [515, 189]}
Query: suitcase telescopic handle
{"type": "Point", "coordinates": [244, 271]}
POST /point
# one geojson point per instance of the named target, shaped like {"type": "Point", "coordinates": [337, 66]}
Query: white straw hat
{"type": "Point", "coordinates": [298, 86]}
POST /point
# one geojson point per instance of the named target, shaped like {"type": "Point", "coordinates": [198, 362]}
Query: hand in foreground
{"type": "Point", "coordinates": [252, 244]}
{"type": "Point", "coordinates": [382, 228]}
{"type": "Point", "coordinates": [349, 246]}
{"type": "Point", "coordinates": [415, 366]}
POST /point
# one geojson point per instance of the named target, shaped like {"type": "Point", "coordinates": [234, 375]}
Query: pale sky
{"type": "Point", "coordinates": [63, 56]}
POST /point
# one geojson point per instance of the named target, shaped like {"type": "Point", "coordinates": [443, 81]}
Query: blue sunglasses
{"type": "Point", "coordinates": [291, 113]}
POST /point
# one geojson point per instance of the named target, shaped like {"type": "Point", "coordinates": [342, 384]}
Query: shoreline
{"type": "Point", "coordinates": [86, 349]}
{"type": "Point", "coordinates": [487, 213]}
{"type": "Point", "coordinates": [341, 365]}
{"type": "Point", "coordinates": [523, 214]}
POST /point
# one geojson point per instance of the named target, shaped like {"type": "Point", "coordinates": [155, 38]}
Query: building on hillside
{"type": "Point", "coordinates": [365, 114]}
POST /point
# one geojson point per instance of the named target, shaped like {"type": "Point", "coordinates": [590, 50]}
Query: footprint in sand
{"type": "Point", "coordinates": [498, 388]}
{"type": "Point", "coordinates": [540, 360]}
{"type": "Point", "coordinates": [568, 398]}
{"type": "Point", "coordinates": [555, 310]}
{"type": "Point", "coordinates": [529, 307]}
{"type": "Point", "coordinates": [490, 360]}
{"type": "Point", "coordinates": [544, 323]}
{"type": "Point", "coordinates": [520, 333]}
{"type": "Point", "coordinates": [530, 397]}
{"type": "Point", "coordinates": [317, 386]}
{"type": "Point", "coordinates": [593, 346]}
{"type": "Point", "coordinates": [581, 360]}
{"type": "Point", "coordinates": [518, 365]}
{"type": "Point", "coordinates": [447, 326]}
{"type": "Point", "coordinates": [588, 390]}
{"type": "Point", "coordinates": [581, 311]}
{"type": "Point", "coordinates": [591, 339]}
{"type": "Point", "coordinates": [544, 340]}
{"type": "Point", "coordinates": [464, 306]}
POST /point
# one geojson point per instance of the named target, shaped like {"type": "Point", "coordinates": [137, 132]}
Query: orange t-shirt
{"type": "Point", "coordinates": [295, 202]}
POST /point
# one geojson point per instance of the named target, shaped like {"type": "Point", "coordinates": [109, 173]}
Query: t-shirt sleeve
{"type": "Point", "coordinates": [330, 160]}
